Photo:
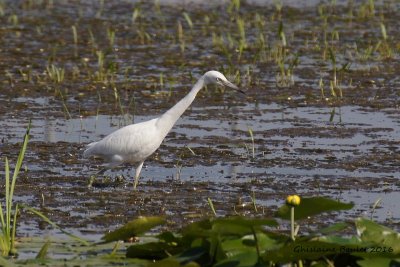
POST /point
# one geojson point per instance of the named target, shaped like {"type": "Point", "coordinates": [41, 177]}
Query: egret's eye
{"type": "Point", "coordinates": [218, 79]}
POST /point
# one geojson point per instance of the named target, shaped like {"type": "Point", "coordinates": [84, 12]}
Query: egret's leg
{"type": "Point", "coordinates": [137, 174]}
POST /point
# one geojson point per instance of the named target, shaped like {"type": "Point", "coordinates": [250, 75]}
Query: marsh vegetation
{"type": "Point", "coordinates": [320, 119]}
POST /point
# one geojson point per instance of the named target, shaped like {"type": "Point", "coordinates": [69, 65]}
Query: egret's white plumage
{"type": "Point", "coordinates": [136, 142]}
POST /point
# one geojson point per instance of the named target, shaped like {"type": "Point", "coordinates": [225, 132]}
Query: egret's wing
{"type": "Point", "coordinates": [89, 149]}
{"type": "Point", "coordinates": [133, 142]}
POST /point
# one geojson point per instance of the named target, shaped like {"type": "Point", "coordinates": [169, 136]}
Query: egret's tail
{"type": "Point", "coordinates": [89, 150]}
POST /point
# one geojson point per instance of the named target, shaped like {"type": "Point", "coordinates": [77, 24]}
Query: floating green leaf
{"type": "Point", "coordinates": [134, 228]}
{"type": "Point", "coordinates": [150, 251]}
{"type": "Point", "coordinates": [43, 251]}
{"type": "Point", "coordinates": [197, 229]}
{"type": "Point", "coordinates": [244, 259]}
{"type": "Point", "coordinates": [339, 240]}
{"type": "Point", "coordinates": [336, 227]}
{"type": "Point", "coordinates": [387, 239]}
{"type": "Point", "coordinates": [313, 206]}
{"type": "Point", "coordinates": [300, 250]}
{"type": "Point", "coordinates": [215, 248]}
{"type": "Point", "coordinates": [240, 225]}
{"type": "Point", "coordinates": [247, 244]}
{"type": "Point", "coordinates": [190, 255]}
{"type": "Point", "coordinates": [6, 263]}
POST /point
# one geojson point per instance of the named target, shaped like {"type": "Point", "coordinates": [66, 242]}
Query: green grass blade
{"type": "Point", "coordinates": [252, 142]}
{"type": "Point", "coordinates": [44, 217]}
{"type": "Point", "coordinates": [188, 20]}
{"type": "Point", "coordinates": [7, 171]}
{"type": "Point", "coordinates": [10, 189]}
{"type": "Point", "coordinates": [6, 224]}
{"type": "Point", "coordinates": [134, 228]}
{"type": "Point", "coordinates": [212, 206]}
{"type": "Point", "coordinates": [383, 31]}
{"type": "Point", "coordinates": [43, 251]}
{"type": "Point", "coordinates": [332, 56]}
{"type": "Point", "coordinates": [14, 228]}
{"type": "Point", "coordinates": [19, 162]}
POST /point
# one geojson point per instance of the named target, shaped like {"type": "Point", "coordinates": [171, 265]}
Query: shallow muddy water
{"type": "Point", "coordinates": [308, 138]}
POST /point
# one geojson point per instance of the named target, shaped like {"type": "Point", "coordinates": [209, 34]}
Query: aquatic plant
{"type": "Point", "coordinates": [8, 214]}
{"type": "Point", "coordinates": [233, 6]}
{"type": "Point", "coordinates": [253, 154]}
{"type": "Point", "coordinates": [143, 36]}
{"type": "Point", "coordinates": [75, 36]}
{"type": "Point", "coordinates": [240, 241]}
{"type": "Point", "coordinates": [54, 225]}
{"type": "Point", "coordinates": [282, 34]}
{"type": "Point", "coordinates": [64, 103]}
{"type": "Point", "coordinates": [383, 46]}
{"type": "Point", "coordinates": [253, 201]}
{"type": "Point", "coordinates": [111, 36]}
{"type": "Point", "coordinates": [293, 201]}
{"type": "Point", "coordinates": [55, 74]}
{"type": "Point", "coordinates": [188, 20]}
{"type": "Point", "coordinates": [366, 9]}
{"type": "Point", "coordinates": [234, 241]}
{"type": "Point", "coordinates": [101, 74]}
{"type": "Point", "coordinates": [209, 37]}
{"type": "Point", "coordinates": [136, 14]}
{"type": "Point", "coordinates": [321, 88]}
{"type": "Point", "coordinates": [26, 74]}
{"type": "Point", "coordinates": [101, 9]}
{"type": "Point", "coordinates": [211, 204]}
{"type": "Point", "coordinates": [13, 19]}
{"type": "Point", "coordinates": [284, 77]}
{"type": "Point", "coordinates": [181, 38]}
{"type": "Point", "coordinates": [334, 81]}
{"type": "Point", "coordinates": [242, 36]}
{"type": "Point", "coordinates": [2, 7]}
{"type": "Point", "coordinates": [92, 42]}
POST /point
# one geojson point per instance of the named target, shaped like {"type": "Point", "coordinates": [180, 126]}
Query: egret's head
{"type": "Point", "coordinates": [215, 77]}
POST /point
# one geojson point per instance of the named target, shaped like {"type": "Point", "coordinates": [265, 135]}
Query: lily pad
{"type": "Point", "coordinates": [134, 228]}
{"type": "Point", "coordinates": [387, 240]}
{"type": "Point", "coordinates": [313, 206]}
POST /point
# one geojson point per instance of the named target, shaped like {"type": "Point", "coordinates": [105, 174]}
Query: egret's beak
{"type": "Point", "coordinates": [231, 85]}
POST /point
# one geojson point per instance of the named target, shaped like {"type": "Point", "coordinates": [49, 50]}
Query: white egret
{"type": "Point", "coordinates": [136, 142]}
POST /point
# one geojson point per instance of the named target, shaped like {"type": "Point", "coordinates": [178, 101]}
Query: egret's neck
{"type": "Point", "coordinates": [168, 119]}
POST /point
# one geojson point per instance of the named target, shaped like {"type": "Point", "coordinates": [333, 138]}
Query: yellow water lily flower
{"type": "Point", "coordinates": [293, 200]}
